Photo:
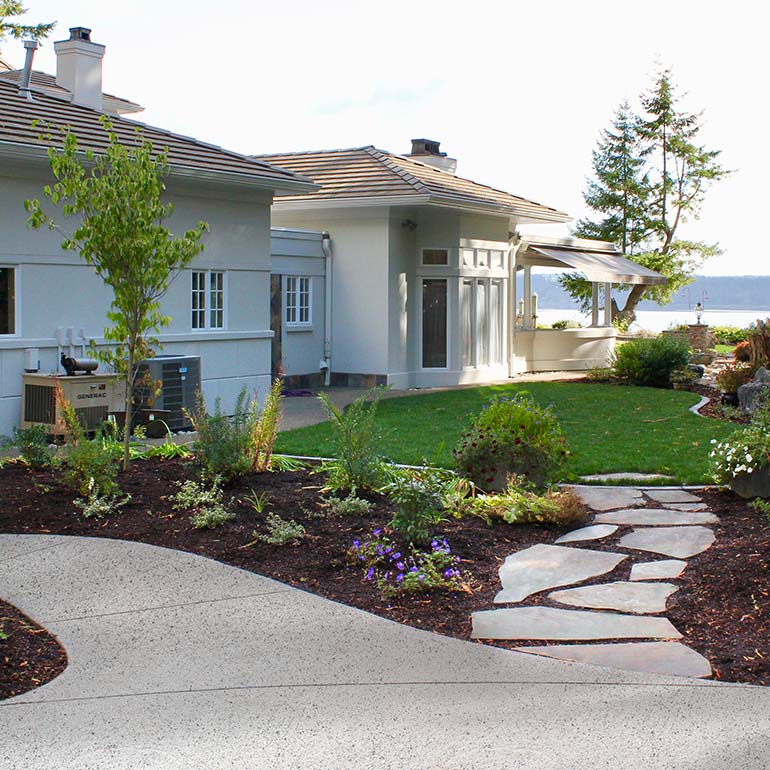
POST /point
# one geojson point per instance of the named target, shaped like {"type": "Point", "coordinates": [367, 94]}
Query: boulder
{"type": "Point", "coordinates": [762, 375]}
{"type": "Point", "coordinates": [703, 358]}
{"type": "Point", "coordinates": [753, 395]}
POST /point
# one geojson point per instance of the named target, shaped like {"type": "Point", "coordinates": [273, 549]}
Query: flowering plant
{"type": "Point", "coordinates": [512, 435]}
{"type": "Point", "coordinates": [395, 571]}
{"type": "Point", "coordinates": [743, 452]}
{"type": "Point", "coordinates": [730, 378]}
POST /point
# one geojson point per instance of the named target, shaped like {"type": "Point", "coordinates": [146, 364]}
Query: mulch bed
{"type": "Point", "coordinates": [722, 609]}
{"type": "Point", "coordinates": [29, 655]}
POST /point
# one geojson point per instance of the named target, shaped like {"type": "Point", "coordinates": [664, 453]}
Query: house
{"type": "Point", "coordinates": [51, 301]}
{"type": "Point", "coordinates": [421, 285]}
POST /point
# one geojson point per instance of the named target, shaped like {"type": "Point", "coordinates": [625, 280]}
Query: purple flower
{"type": "Point", "coordinates": [400, 565]}
{"type": "Point", "coordinates": [434, 544]}
{"type": "Point", "coordinates": [356, 544]}
{"type": "Point", "coordinates": [370, 573]}
{"type": "Point", "coordinates": [421, 577]}
{"type": "Point", "coordinates": [448, 573]}
{"type": "Point", "coordinates": [400, 576]}
{"type": "Point", "coordinates": [377, 532]}
{"type": "Point", "coordinates": [414, 569]}
{"type": "Point", "coordinates": [396, 555]}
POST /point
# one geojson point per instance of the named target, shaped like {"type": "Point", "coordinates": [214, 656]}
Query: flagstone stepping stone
{"type": "Point", "coordinates": [638, 598]}
{"type": "Point", "coordinates": [594, 532]}
{"type": "Point", "coordinates": [631, 476]}
{"type": "Point", "coordinates": [686, 506]}
{"type": "Point", "coordinates": [609, 498]}
{"type": "Point", "coordinates": [655, 517]}
{"type": "Point", "coordinates": [670, 658]}
{"type": "Point", "coordinates": [679, 542]}
{"type": "Point", "coordinates": [550, 566]}
{"type": "Point", "coordinates": [671, 496]}
{"type": "Point", "coordinates": [567, 625]}
{"type": "Point", "coordinates": [656, 570]}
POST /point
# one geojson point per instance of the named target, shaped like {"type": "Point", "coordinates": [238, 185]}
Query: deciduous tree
{"type": "Point", "coordinates": [116, 196]}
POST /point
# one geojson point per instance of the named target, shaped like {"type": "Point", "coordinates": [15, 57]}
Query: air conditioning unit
{"type": "Point", "coordinates": [94, 396]}
{"type": "Point", "coordinates": [179, 378]}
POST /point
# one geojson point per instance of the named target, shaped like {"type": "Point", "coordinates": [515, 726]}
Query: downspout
{"type": "Point", "coordinates": [26, 75]}
{"type": "Point", "coordinates": [514, 242]}
{"type": "Point", "coordinates": [326, 245]}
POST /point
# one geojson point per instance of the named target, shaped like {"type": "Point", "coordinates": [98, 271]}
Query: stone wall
{"type": "Point", "coordinates": [697, 336]}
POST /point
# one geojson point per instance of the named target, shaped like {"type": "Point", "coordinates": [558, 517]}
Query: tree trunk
{"type": "Point", "coordinates": [129, 403]}
{"type": "Point", "coordinates": [627, 315]}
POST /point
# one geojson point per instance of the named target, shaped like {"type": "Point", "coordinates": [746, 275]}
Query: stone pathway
{"type": "Point", "coordinates": [637, 523]}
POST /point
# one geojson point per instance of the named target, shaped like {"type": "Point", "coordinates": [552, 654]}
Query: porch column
{"type": "Point", "coordinates": [608, 304]}
{"type": "Point", "coordinates": [527, 324]}
{"type": "Point", "coordinates": [594, 303]}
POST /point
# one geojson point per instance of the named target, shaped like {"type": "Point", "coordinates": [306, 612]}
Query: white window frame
{"type": "Point", "coordinates": [449, 320]}
{"type": "Point", "coordinates": [16, 301]}
{"type": "Point", "coordinates": [207, 294]}
{"type": "Point", "coordinates": [292, 301]}
{"type": "Point", "coordinates": [431, 265]}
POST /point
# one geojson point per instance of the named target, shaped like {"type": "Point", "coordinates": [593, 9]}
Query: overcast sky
{"type": "Point", "coordinates": [517, 92]}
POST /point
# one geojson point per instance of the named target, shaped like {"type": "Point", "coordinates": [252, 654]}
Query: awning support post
{"type": "Point", "coordinates": [527, 297]}
{"type": "Point", "coordinates": [608, 304]}
{"type": "Point", "coordinates": [594, 303]}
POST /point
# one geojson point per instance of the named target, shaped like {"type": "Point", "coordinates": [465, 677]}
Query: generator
{"type": "Point", "coordinates": [94, 396]}
{"type": "Point", "coordinates": [179, 380]}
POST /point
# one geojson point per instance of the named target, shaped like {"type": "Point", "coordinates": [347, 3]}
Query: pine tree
{"type": "Point", "coordinates": [12, 8]}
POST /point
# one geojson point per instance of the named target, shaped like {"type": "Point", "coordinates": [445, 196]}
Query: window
{"type": "Point", "coordinates": [7, 300]}
{"type": "Point", "coordinates": [434, 323]}
{"type": "Point", "coordinates": [298, 300]}
{"type": "Point", "coordinates": [467, 329]}
{"type": "Point", "coordinates": [435, 257]}
{"type": "Point", "coordinates": [495, 322]}
{"type": "Point", "coordinates": [482, 323]}
{"type": "Point", "coordinates": [208, 299]}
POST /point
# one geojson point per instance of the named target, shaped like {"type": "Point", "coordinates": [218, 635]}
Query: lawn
{"type": "Point", "coordinates": [609, 428]}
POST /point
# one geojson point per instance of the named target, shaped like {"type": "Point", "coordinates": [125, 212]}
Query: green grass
{"type": "Point", "coordinates": [724, 350]}
{"type": "Point", "coordinates": [609, 428]}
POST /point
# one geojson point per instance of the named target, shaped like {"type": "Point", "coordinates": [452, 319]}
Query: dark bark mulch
{"type": "Point", "coordinates": [722, 608]}
{"type": "Point", "coordinates": [716, 409]}
{"type": "Point", "coordinates": [29, 655]}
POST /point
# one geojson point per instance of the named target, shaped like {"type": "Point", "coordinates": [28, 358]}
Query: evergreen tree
{"type": "Point", "coordinates": [668, 176]}
{"type": "Point", "coordinates": [11, 8]}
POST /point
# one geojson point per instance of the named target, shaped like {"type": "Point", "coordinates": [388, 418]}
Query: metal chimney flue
{"type": "Point", "coordinates": [30, 47]}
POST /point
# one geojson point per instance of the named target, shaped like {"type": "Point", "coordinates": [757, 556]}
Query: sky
{"type": "Point", "coordinates": [518, 92]}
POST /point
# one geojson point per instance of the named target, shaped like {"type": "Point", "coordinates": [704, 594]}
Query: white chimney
{"type": "Point", "coordinates": [79, 67]}
{"type": "Point", "coordinates": [427, 151]}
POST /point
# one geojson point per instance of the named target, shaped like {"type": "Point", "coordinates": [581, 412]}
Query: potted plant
{"type": "Point", "coordinates": [729, 379]}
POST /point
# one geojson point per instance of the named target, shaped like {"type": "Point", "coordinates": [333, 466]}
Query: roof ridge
{"type": "Point", "coordinates": [312, 152]}
{"type": "Point", "coordinates": [385, 158]}
{"type": "Point", "coordinates": [139, 124]}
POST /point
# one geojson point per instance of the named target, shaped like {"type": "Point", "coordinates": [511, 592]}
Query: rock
{"type": "Point", "coordinates": [550, 566]}
{"type": "Point", "coordinates": [656, 570]}
{"type": "Point", "coordinates": [697, 369]}
{"type": "Point", "coordinates": [639, 598]}
{"type": "Point", "coordinates": [594, 532]}
{"type": "Point", "coordinates": [702, 358]}
{"type": "Point", "coordinates": [679, 542]}
{"type": "Point", "coordinates": [607, 498]}
{"type": "Point", "coordinates": [567, 625]}
{"type": "Point", "coordinates": [753, 395]}
{"type": "Point", "coordinates": [672, 658]}
{"type": "Point", "coordinates": [762, 375]}
{"type": "Point", "coordinates": [656, 517]}
{"type": "Point", "coordinates": [671, 496]}
{"type": "Point", "coordinates": [750, 485]}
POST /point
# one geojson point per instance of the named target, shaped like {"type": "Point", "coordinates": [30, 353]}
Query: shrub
{"type": "Point", "coordinates": [96, 506]}
{"type": "Point", "coordinates": [357, 465]}
{"type": "Point", "coordinates": [600, 374]}
{"type": "Point", "coordinates": [512, 435]}
{"type": "Point", "coordinates": [416, 571]}
{"type": "Point", "coordinates": [419, 497]}
{"type": "Point", "coordinates": [730, 378]}
{"type": "Point", "coordinates": [349, 506]}
{"type": "Point", "coordinates": [193, 494]}
{"type": "Point", "coordinates": [742, 352]}
{"type": "Point", "coordinates": [522, 506]}
{"type": "Point", "coordinates": [650, 362]}
{"type": "Point", "coordinates": [729, 335]}
{"type": "Point", "coordinates": [280, 531]}
{"type": "Point", "coordinates": [211, 518]}
{"type": "Point", "coordinates": [89, 467]}
{"type": "Point", "coordinates": [566, 324]}
{"type": "Point", "coordinates": [32, 444]}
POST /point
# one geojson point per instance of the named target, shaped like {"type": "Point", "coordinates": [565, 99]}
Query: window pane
{"type": "Point", "coordinates": [482, 258]}
{"type": "Point", "coordinates": [434, 323]}
{"type": "Point", "coordinates": [469, 258]}
{"type": "Point", "coordinates": [304, 300]}
{"type": "Point", "coordinates": [466, 322]}
{"type": "Point", "coordinates": [7, 301]}
{"type": "Point", "coordinates": [495, 321]}
{"type": "Point", "coordinates": [291, 299]}
{"type": "Point", "coordinates": [216, 284]}
{"type": "Point", "coordinates": [496, 259]}
{"type": "Point", "coordinates": [482, 323]}
{"type": "Point", "coordinates": [198, 300]}
{"type": "Point", "coordinates": [435, 257]}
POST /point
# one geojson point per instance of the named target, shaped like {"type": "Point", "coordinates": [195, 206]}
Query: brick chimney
{"type": "Point", "coordinates": [79, 67]}
{"type": "Point", "coordinates": [427, 151]}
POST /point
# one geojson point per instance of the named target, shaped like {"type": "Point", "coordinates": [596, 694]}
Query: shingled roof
{"type": "Point", "coordinates": [42, 81]}
{"type": "Point", "coordinates": [184, 153]}
{"type": "Point", "coordinates": [366, 174]}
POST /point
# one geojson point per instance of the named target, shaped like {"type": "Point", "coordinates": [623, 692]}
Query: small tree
{"type": "Point", "coordinates": [11, 8]}
{"type": "Point", "coordinates": [650, 177]}
{"type": "Point", "coordinates": [117, 197]}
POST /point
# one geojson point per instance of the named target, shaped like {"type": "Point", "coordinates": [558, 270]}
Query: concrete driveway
{"type": "Point", "coordinates": [177, 661]}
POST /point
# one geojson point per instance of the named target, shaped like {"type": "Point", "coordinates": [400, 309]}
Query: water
{"type": "Point", "coordinates": [658, 320]}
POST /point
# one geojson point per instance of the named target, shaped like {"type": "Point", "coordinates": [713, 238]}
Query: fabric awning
{"type": "Point", "coordinates": [603, 267]}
